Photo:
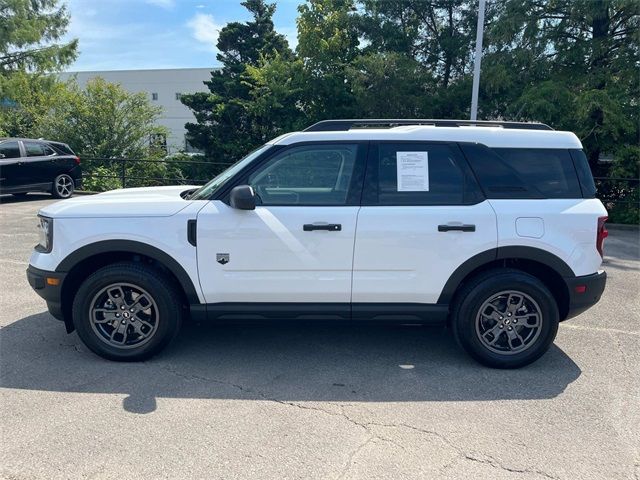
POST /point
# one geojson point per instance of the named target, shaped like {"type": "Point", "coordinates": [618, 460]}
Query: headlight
{"type": "Point", "coordinates": [45, 234]}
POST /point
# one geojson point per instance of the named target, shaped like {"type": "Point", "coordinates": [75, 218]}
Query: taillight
{"type": "Point", "coordinates": [77, 159]}
{"type": "Point", "coordinates": [601, 235]}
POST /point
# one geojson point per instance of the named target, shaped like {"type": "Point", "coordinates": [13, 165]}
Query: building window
{"type": "Point", "coordinates": [178, 96]}
{"type": "Point", "coordinates": [154, 96]}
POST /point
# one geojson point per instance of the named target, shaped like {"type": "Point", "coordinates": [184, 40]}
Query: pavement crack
{"type": "Point", "coordinates": [477, 457]}
{"type": "Point", "coordinates": [491, 461]}
{"type": "Point", "coordinates": [351, 459]}
{"type": "Point", "coordinates": [474, 457]}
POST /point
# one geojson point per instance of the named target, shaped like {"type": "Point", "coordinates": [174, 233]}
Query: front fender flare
{"type": "Point", "coordinates": [131, 246]}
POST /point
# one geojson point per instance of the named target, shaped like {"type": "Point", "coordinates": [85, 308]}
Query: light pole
{"type": "Point", "coordinates": [477, 61]}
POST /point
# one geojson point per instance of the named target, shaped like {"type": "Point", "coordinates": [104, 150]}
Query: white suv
{"type": "Point", "coordinates": [492, 228]}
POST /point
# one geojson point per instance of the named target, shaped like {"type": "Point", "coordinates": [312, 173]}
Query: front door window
{"type": "Point", "coordinates": [306, 175]}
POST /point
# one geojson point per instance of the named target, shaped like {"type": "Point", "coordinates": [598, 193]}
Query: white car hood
{"type": "Point", "coordinates": [126, 202]}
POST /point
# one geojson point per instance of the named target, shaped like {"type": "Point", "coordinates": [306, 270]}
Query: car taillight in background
{"type": "Point", "coordinates": [77, 159]}
{"type": "Point", "coordinates": [601, 234]}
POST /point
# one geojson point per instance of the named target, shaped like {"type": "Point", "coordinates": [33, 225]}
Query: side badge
{"type": "Point", "coordinates": [222, 258]}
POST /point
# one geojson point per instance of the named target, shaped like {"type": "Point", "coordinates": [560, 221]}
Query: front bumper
{"type": "Point", "coordinates": [585, 292]}
{"type": "Point", "coordinates": [49, 286]}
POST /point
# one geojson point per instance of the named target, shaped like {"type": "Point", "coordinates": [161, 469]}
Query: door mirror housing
{"type": "Point", "coordinates": [243, 198]}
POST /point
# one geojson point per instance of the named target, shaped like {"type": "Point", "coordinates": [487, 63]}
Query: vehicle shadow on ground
{"type": "Point", "coordinates": [31, 197]}
{"type": "Point", "coordinates": [283, 363]}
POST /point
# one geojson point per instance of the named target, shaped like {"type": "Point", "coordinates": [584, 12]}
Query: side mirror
{"type": "Point", "coordinates": [243, 198]}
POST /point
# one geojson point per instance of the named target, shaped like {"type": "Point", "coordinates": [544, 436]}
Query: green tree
{"type": "Point", "coordinates": [327, 44]}
{"type": "Point", "coordinates": [26, 100]}
{"type": "Point", "coordinates": [278, 91]}
{"type": "Point", "coordinates": [571, 63]}
{"type": "Point", "coordinates": [226, 125]}
{"type": "Point", "coordinates": [403, 80]}
{"type": "Point", "coordinates": [29, 32]}
{"type": "Point", "coordinates": [103, 120]}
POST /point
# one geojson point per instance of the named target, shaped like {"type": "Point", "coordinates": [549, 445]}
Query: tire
{"type": "Point", "coordinates": [115, 333]}
{"type": "Point", "coordinates": [63, 186]}
{"type": "Point", "coordinates": [486, 313]}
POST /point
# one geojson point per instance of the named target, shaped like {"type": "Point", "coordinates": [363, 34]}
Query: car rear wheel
{"type": "Point", "coordinates": [63, 186]}
{"type": "Point", "coordinates": [505, 318]}
{"type": "Point", "coordinates": [127, 311]}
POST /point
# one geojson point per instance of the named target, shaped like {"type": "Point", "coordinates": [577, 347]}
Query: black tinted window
{"type": "Point", "coordinates": [415, 174]}
{"type": "Point", "coordinates": [306, 175]}
{"type": "Point", "coordinates": [9, 150]}
{"type": "Point", "coordinates": [550, 171]}
{"type": "Point", "coordinates": [497, 179]}
{"type": "Point", "coordinates": [35, 149]}
{"type": "Point", "coordinates": [584, 173]}
{"type": "Point", "coordinates": [62, 148]}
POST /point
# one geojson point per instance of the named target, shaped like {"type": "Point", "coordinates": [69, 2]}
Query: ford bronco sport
{"type": "Point", "coordinates": [492, 228]}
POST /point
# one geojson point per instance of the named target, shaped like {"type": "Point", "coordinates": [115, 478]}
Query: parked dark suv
{"type": "Point", "coordinates": [28, 165]}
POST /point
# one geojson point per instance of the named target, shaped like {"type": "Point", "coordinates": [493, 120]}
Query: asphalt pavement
{"type": "Point", "coordinates": [316, 402]}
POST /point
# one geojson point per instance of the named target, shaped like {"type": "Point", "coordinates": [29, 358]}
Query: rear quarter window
{"type": "Point", "coordinates": [584, 173]}
{"type": "Point", "coordinates": [549, 171]}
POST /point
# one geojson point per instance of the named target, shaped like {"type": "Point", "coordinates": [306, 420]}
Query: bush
{"type": "Point", "coordinates": [100, 179]}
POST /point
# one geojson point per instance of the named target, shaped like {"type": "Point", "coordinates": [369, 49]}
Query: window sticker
{"type": "Point", "coordinates": [413, 171]}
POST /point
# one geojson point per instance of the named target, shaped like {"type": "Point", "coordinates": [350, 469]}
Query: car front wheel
{"type": "Point", "coordinates": [505, 318]}
{"type": "Point", "coordinates": [127, 311]}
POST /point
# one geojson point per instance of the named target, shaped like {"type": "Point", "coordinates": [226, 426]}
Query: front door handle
{"type": "Point", "coordinates": [460, 228]}
{"type": "Point", "coordinates": [332, 227]}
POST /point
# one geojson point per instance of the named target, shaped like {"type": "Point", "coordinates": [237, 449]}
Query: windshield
{"type": "Point", "coordinates": [204, 192]}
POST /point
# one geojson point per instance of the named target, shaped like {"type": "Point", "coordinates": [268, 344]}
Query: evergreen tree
{"type": "Point", "coordinates": [28, 32]}
{"type": "Point", "coordinates": [226, 124]}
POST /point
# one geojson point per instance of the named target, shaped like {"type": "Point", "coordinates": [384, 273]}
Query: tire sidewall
{"type": "Point", "coordinates": [168, 313]}
{"type": "Point", "coordinates": [468, 311]}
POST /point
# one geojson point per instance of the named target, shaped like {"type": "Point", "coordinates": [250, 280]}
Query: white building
{"type": "Point", "coordinates": [164, 87]}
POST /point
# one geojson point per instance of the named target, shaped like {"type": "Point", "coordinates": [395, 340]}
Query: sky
{"type": "Point", "coordinates": [147, 34]}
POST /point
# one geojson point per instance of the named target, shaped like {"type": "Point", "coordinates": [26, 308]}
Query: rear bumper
{"type": "Point", "coordinates": [585, 292]}
{"type": "Point", "coordinates": [49, 286]}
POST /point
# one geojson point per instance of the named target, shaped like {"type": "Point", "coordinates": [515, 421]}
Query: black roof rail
{"type": "Point", "coordinates": [348, 124]}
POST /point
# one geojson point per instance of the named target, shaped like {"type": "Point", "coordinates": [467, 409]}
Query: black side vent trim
{"type": "Point", "coordinates": [192, 232]}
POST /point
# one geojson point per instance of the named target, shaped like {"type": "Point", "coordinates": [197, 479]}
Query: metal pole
{"type": "Point", "coordinates": [477, 61]}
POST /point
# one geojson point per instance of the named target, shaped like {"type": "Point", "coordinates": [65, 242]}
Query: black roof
{"type": "Point", "coordinates": [348, 124]}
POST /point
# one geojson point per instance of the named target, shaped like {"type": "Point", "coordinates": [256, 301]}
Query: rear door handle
{"type": "Point", "coordinates": [332, 227]}
{"type": "Point", "coordinates": [460, 228]}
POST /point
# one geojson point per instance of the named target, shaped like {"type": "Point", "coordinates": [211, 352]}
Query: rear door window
{"type": "Point", "coordinates": [417, 174]}
{"type": "Point", "coordinates": [9, 150]}
{"type": "Point", "coordinates": [549, 171]}
{"type": "Point", "coordinates": [34, 149]}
